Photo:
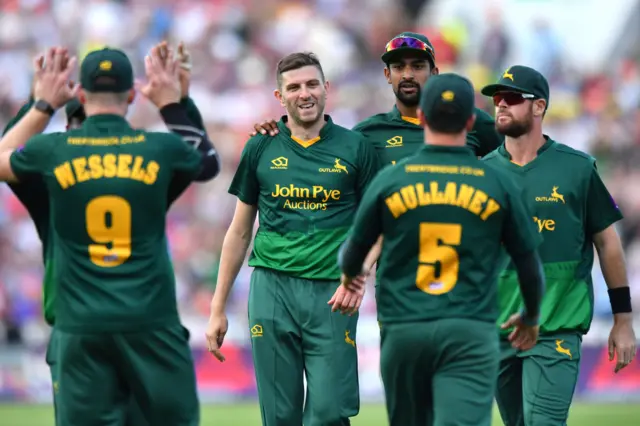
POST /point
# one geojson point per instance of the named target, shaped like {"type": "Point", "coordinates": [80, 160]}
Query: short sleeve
{"type": "Point", "coordinates": [368, 167]}
{"type": "Point", "coordinates": [245, 182]}
{"type": "Point", "coordinates": [519, 233]}
{"type": "Point", "coordinates": [32, 159]}
{"type": "Point", "coordinates": [602, 210]}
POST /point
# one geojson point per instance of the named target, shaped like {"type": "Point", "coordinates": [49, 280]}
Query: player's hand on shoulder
{"type": "Point", "coordinates": [267, 126]}
{"type": "Point", "coordinates": [523, 337]}
{"type": "Point", "coordinates": [349, 294]}
{"type": "Point", "coordinates": [162, 69]}
{"type": "Point", "coordinates": [216, 330]}
{"type": "Point", "coordinates": [52, 72]}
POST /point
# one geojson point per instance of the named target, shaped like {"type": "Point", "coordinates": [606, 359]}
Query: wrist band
{"type": "Point", "coordinates": [620, 299]}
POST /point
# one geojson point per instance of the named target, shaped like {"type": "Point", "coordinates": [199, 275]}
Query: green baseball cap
{"type": "Point", "coordinates": [448, 98]}
{"type": "Point", "coordinates": [520, 79]}
{"type": "Point", "coordinates": [74, 108]}
{"type": "Point", "coordinates": [409, 42]}
{"type": "Point", "coordinates": [107, 70]}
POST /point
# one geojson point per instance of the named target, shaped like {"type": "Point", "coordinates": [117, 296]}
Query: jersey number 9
{"type": "Point", "coordinates": [436, 241]}
{"type": "Point", "coordinates": [108, 221]}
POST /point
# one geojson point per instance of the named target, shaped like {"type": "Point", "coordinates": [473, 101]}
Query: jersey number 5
{"type": "Point", "coordinates": [108, 221]}
{"type": "Point", "coordinates": [436, 241]}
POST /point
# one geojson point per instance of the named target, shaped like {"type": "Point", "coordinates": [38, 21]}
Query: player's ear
{"type": "Point", "coordinates": [539, 106]}
{"type": "Point", "coordinates": [387, 73]}
{"type": "Point", "coordinates": [327, 85]}
{"type": "Point", "coordinates": [278, 96]}
{"type": "Point", "coordinates": [131, 97]}
{"type": "Point", "coordinates": [82, 98]}
{"type": "Point", "coordinates": [470, 123]}
{"type": "Point", "coordinates": [435, 71]}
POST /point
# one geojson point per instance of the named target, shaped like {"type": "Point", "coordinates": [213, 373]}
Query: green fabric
{"type": "Point", "coordinates": [306, 197]}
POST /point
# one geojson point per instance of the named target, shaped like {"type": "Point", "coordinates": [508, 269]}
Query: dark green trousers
{"type": "Point", "coordinates": [295, 335]}
{"type": "Point", "coordinates": [439, 373]}
{"type": "Point", "coordinates": [535, 387]}
{"type": "Point", "coordinates": [106, 379]}
{"type": "Point", "coordinates": [132, 414]}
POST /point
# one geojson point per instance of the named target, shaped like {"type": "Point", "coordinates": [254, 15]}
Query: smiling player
{"type": "Point", "coordinates": [305, 184]}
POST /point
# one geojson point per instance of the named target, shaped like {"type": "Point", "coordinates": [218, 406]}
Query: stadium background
{"type": "Point", "coordinates": [589, 51]}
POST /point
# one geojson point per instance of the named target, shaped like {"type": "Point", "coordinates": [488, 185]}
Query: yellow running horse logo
{"type": "Point", "coordinates": [339, 166]}
{"type": "Point", "coordinates": [556, 195]}
{"type": "Point", "coordinates": [562, 350]}
{"type": "Point", "coordinates": [348, 339]}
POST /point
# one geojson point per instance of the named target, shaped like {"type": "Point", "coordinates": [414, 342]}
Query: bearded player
{"type": "Point", "coordinates": [573, 212]}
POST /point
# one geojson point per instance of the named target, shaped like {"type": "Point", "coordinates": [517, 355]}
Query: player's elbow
{"type": "Point", "coordinates": [210, 168]}
{"type": "Point", "coordinates": [6, 171]}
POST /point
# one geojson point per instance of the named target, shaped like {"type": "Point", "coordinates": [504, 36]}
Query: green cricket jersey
{"type": "Point", "coordinates": [33, 195]}
{"type": "Point", "coordinates": [444, 216]}
{"type": "Point", "coordinates": [108, 190]}
{"type": "Point", "coordinates": [307, 193]}
{"type": "Point", "coordinates": [396, 137]}
{"type": "Point", "coordinates": [569, 203]}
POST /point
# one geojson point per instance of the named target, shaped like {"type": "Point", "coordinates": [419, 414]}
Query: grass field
{"type": "Point", "coordinates": [370, 415]}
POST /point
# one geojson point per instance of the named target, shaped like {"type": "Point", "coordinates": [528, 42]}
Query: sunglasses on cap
{"type": "Point", "coordinates": [411, 42]}
{"type": "Point", "coordinates": [511, 98]}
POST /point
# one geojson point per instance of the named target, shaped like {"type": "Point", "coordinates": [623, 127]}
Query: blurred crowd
{"type": "Point", "coordinates": [235, 46]}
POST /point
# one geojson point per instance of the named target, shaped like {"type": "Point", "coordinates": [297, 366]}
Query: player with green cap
{"type": "Point", "coordinates": [444, 216]}
{"type": "Point", "coordinates": [33, 195]}
{"type": "Point", "coordinates": [109, 187]}
{"type": "Point", "coordinates": [572, 211]}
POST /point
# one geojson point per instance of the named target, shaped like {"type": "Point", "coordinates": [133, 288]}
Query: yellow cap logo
{"type": "Point", "coordinates": [448, 96]}
{"type": "Point", "coordinates": [507, 75]}
{"type": "Point", "coordinates": [105, 66]}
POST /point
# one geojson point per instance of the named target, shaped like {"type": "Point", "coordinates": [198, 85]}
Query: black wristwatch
{"type": "Point", "coordinates": [44, 106]}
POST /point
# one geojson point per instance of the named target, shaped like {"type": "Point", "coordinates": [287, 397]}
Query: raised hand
{"type": "Point", "coordinates": [162, 71]}
{"type": "Point", "coordinates": [52, 72]}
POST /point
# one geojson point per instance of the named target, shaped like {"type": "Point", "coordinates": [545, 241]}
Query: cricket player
{"type": "Point", "coordinates": [109, 187]}
{"type": "Point", "coordinates": [573, 211]}
{"type": "Point", "coordinates": [305, 183]}
{"type": "Point", "coordinates": [444, 216]}
{"type": "Point", "coordinates": [410, 60]}
{"type": "Point", "coordinates": [33, 195]}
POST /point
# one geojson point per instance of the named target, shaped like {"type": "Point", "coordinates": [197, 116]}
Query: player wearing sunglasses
{"type": "Point", "coordinates": [572, 210]}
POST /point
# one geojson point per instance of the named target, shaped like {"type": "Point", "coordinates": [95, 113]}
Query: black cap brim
{"type": "Point", "coordinates": [492, 89]}
{"type": "Point", "coordinates": [398, 53]}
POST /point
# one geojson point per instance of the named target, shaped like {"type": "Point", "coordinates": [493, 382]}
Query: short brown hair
{"type": "Point", "coordinates": [296, 61]}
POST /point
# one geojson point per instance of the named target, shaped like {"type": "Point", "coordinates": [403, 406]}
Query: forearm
{"type": "Point", "coordinates": [613, 266]}
{"type": "Point", "coordinates": [614, 270]}
{"type": "Point", "coordinates": [374, 255]}
{"type": "Point", "coordinates": [351, 258]}
{"type": "Point", "coordinates": [176, 118]}
{"type": "Point", "coordinates": [234, 251]}
{"type": "Point", "coordinates": [532, 286]}
{"type": "Point", "coordinates": [32, 123]}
